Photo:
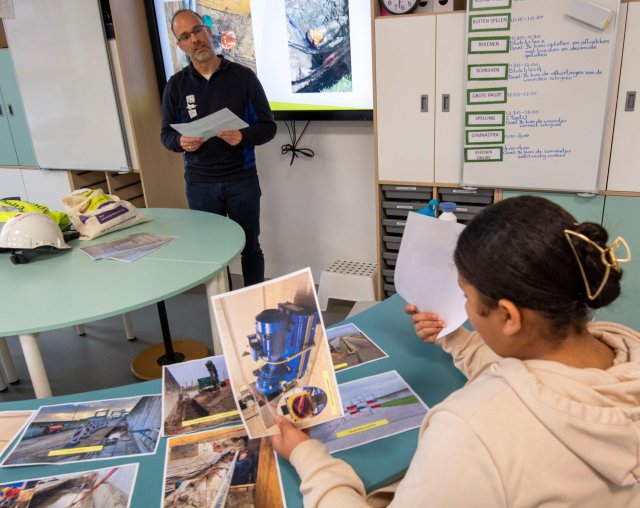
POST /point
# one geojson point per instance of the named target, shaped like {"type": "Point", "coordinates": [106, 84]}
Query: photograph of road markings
{"type": "Point", "coordinates": [197, 395]}
{"type": "Point", "coordinates": [277, 353]}
{"type": "Point", "coordinates": [95, 430]}
{"type": "Point", "coordinates": [110, 486]}
{"type": "Point", "coordinates": [375, 407]}
{"type": "Point", "coordinates": [221, 467]}
{"type": "Point", "coordinates": [11, 423]}
{"type": "Point", "coordinates": [350, 347]}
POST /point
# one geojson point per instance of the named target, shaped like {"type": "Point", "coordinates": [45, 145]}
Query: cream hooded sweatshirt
{"type": "Point", "coordinates": [520, 434]}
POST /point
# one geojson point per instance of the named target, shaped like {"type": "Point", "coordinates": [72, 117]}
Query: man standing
{"type": "Point", "coordinates": [220, 173]}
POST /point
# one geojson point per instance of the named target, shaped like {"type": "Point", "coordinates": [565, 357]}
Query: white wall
{"type": "Point", "coordinates": [318, 209]}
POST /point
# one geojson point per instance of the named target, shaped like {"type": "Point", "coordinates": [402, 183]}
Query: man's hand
{"type": "Point", "coordinates": [426, 324]}
{"type": "Point", "coordinates": [288, 439]}
{"type": "Point", "coordinates": [231, 137]}
{"type": "Point", "coordinates": [189, 144]}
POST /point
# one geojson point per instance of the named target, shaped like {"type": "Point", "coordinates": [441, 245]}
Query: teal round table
{"type": "Point", "coordinates": [69, 288]}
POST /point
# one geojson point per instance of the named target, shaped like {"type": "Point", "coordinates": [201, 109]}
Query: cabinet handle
{"type": "Point", "coordinates": [10, 109]}
{"type": "Point", "coordinates": [446, 103]}
{"type": "Point", "coordinates": [1, 110]}
{"type": "Point", "coordinates": [424, 103]}
{"type": "Point", "coordinates": [630, 101]}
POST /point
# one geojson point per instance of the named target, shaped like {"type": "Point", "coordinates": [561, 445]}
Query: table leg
{"type": "Point", "coordinates": [215, 286]}
{"type": "Point", "coordinates": [127, 319]}
{"type": "Point", "coordinates": [35, 366]}
{"type": "Point", "coordinates": [7, 362]}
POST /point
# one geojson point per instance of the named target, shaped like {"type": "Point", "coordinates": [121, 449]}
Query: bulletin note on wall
{"type": "Point", "coordinates": [537, 87]}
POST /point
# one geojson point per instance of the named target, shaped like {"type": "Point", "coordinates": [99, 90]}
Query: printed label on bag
{"type": "Point", "coordinates": [111, 214]}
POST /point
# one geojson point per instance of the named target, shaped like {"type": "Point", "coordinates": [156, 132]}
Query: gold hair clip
{"type": "Point", "coordinates": [607, 256]}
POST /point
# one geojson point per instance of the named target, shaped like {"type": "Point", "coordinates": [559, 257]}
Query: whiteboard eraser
{"type": "Point", "coordinates": [590, 13]}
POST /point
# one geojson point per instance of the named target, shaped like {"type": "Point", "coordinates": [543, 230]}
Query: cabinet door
{"type": "Point", "coordinates": [625, 149]}
{"type": "Point", "coordinates": [621, 219]}
{"type": "Point", "coordinates": [583, 208]}
{"type": "Point", "coordinates": [405, 97]}
{"type": "Point", "coordinates": [8, 155]}
{"type": "Point", "coordinates": [450, 98]}
{"type": "Point", "coordinates": [60, 58]}
{"type": "Point", "coordinates": [14, 112]}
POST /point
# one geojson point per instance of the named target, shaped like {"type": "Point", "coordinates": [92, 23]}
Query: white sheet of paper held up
{"type": "Point", "coordinates": [209, 126]}
{"type": "Point", "coordinates": [425, 273]}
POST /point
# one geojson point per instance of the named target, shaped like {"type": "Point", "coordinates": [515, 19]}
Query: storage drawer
{"type": "Point", "coordinates": [482, 196]}
{"type": "Point", "coordinates": [392, 242]}
{"type": "Point", "coordinates": [389, 289]}
{"type": "Point", "coordinates": [402, 208]}
{"type": "Point", "coordinates": [390, 258]}
{"type": "Point", "coordinates": [388, 275]}
{"type": "Point", "coordinates": [465, 212]}
{"type": "Point", "coordinates": [408, 192]}
{"type": "Point", "coordinates": [394, 226]}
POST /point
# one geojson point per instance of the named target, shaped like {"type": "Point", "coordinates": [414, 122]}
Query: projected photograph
{"type": "Point", "coordinates": [375, 407]}
{"type": "Point", "coordinates": [220, 468]}
{"type": "Point", "coordinates": [350, 347]}
{"type": "Point", "coordinates": [230, 24]}
{"type": "Point", "coordinates": [319, 45]}
{"type": "Point", "coordinates": [110, 486]}
{"type": "Point", "coordinates": [197, 395]}
{"type": "Point", "coordinates": [84, 431]}
{"type": "Point", "coordinates": [277, 353]}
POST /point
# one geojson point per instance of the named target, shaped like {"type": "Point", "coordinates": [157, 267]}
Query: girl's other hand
{"type": "Point", "coordinates": [289, 437]}
{"type": "Point", "coordinates": [426, 324]}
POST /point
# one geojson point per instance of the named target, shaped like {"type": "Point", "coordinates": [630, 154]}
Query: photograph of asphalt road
{"type": "Point", "coordinates": [374, 407]}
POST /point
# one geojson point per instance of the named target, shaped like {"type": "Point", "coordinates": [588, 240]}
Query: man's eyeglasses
{"type": "Point", "coordinates": [185, 36]}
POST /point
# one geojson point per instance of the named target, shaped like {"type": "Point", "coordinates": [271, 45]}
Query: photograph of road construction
{"type": "Point", "coordinates": [85, 431]}
{"type": "Point", "coordinates": [197, 395]}
{"type": "Point", "coordinates": [375, 407]}
{"type": "Point", "coordinates": [319, 42]}
{"type": "Point", "coordinates": [350, 347]}
{"type": "Point", "coordinates": [230, 24]}
{"type": "Point", "coordinates": [221, 468]}
{"type": "Point", "coordinates": [110, 487]}
{"type": "Point", "coordinates": [274, 344]}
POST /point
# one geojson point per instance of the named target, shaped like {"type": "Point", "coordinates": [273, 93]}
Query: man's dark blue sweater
{"type": "Point", "coordinates": [189, 96]}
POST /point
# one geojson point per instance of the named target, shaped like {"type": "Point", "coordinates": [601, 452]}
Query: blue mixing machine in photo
{"type": "Point", "coordinates": [283, 340]}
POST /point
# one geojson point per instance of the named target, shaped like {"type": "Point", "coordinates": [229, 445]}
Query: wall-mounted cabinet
{"type": "Point", "coordinates": [625, 148]}
{"type": "Point", "coordinates": [420, 97]}
{"type": "Point", "coordinates": [16, 148]}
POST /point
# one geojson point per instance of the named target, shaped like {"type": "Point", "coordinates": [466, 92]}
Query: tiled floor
{"type": "Point", "coordinates": [102, 357]}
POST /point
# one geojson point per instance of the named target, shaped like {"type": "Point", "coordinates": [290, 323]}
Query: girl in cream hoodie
{"type": "Point", "coordinates": [550, 416]}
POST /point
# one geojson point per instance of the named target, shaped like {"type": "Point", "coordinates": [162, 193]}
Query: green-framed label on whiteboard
{"type": "Point", "coordinates": [488, 5]}
{"type": "Point", "coordinates": [489, 22]}
{"type": "Point", "coordinates": [487, 72]}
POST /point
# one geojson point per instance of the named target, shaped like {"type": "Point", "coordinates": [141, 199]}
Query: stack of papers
{"type": "Point", "coordinates": [127, 248]}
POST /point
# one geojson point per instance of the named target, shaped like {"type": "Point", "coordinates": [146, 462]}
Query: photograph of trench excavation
{"type": "Point", "coordinates": [110, 487]}
{"type": "Point", "coordinates": [319, 40]}
{"type": "Point", "coordinates": [197, 395]}
{"type": "Point", "coordinates": [221, 468]}
{"type": "Point", "coordinates": [90, 430]}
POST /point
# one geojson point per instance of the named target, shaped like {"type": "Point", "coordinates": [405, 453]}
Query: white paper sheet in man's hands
{"type": "Point", "coordinates": [425, 273]}
{"type": "Point", "coordinates": [209, 126]}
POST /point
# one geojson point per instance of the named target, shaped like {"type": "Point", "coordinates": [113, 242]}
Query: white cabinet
{"type": "Point", "coordinates": [46, 187]}
{"type": "Point", "coordinates": [420, 97]}
{"type": "Point", "coordinates": [625, 149]}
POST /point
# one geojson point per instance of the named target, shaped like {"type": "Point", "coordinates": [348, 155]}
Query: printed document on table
{"type": "Point", "coordinates": [209, 126]}
{"type": "Point", "coordinates": [425, 273]}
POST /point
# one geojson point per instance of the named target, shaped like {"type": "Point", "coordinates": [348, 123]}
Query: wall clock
{"type": "Point", "coordinates": [399, 6]}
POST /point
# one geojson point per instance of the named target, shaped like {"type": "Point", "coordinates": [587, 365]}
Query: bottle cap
{"type": "Point", "coordinates": [447, 206]}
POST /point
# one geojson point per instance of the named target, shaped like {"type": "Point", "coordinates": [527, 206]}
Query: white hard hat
{"type": "Point", "coordinates": [30, 231]}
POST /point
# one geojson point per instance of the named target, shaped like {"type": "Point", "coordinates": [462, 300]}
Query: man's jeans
{"type": "Point", "coordinates": [240, 201]}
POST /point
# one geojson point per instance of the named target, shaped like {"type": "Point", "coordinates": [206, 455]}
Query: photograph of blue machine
{"type": "Point", "coordinates": [277, 353]}
{"type": "Point", "coordinates": [283, 340]}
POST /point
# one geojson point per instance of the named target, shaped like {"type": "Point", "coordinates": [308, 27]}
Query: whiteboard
{"type": "Point", "coordinates": [537, 88]}
{"type": "Point", "coordinates": [62, 67]}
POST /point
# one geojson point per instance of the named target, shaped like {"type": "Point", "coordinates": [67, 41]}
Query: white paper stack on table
{"type": "Point", "coordinates": [127, 248]}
